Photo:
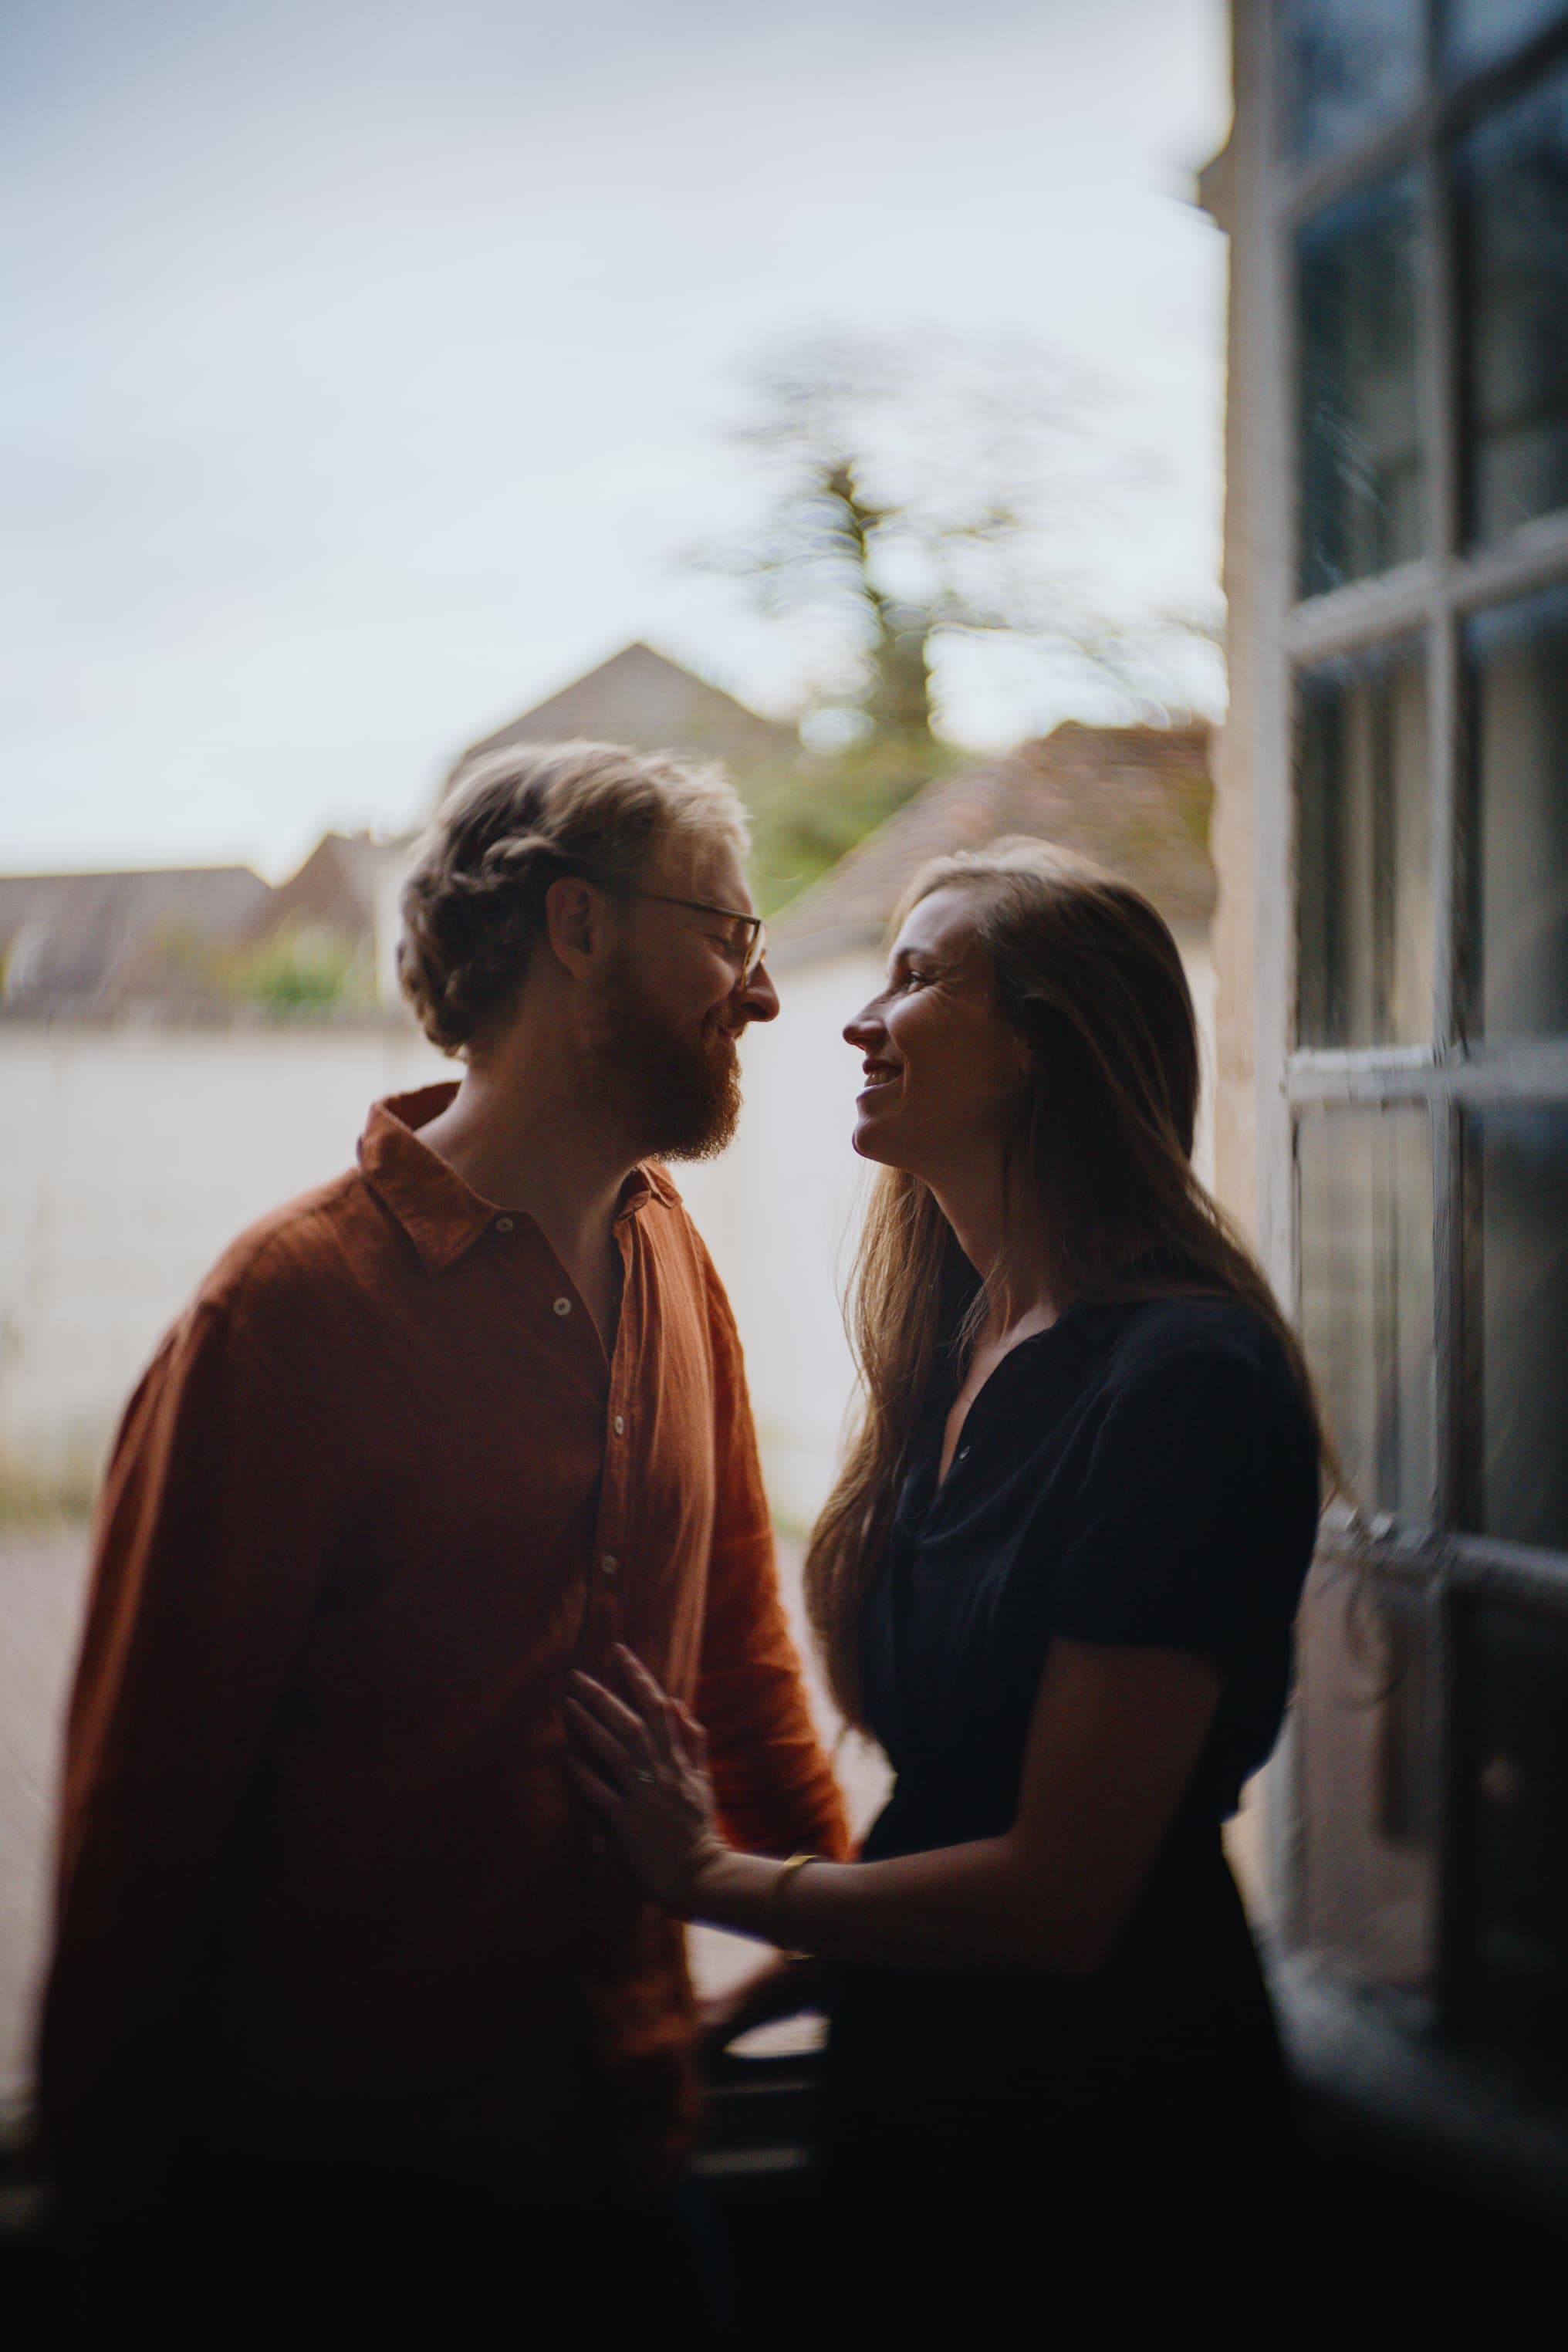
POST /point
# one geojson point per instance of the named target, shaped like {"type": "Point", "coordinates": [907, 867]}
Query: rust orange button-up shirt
{"type": "Point", "coordinates": [325, 1885]}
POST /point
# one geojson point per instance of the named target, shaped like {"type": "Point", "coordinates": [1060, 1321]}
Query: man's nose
{"type": "Point", "coordinates": [759, 997]}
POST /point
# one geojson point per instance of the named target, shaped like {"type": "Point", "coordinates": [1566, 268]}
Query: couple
{"type": "Point", "coordinates": [435, 1669]}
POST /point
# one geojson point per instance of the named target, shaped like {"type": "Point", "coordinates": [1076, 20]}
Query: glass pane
{"type": "Point", "coordinates": [1519, 672]}
{"type": "Point", "coordinates": [1513, 209]}
{"type": "Point", "coordinates": [1365, 896]}
{"type": "Point", "coordinates": [1365, 1684]}
{"type": "Point", "coordinates": [1478, 32]}
{"type": "Point", "coordinates": [1515, 1325]}
{"type": "Point", "coordinates": [1515, 1938]}
{"type": "Point", "coordinates": [1361, 472]}
{"type": "Point", "coordinates": [1349, 65]}
{"type": "Point", "coordinates": [1366, 1297]}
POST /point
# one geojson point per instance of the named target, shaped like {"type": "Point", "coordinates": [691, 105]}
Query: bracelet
{"type": "Point", "coordinates": [772, 1914]}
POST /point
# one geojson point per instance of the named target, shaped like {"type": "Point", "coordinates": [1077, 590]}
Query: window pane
{"type": "Point", "coordinates": [1360, 450]}
{"type": "Point", "coordinates": [1519, 672]}
{"type": "Point", "coordinates": [1516, 1335]}
{"type": "Point", "coordinates": [1513, 203]}
{"type": "Point", "coordinates": [1478, 32]}
{"type": "Point", "coordinates": [1364, 898]}
{"type": "Point", "coordinates": [1514, 1934]}
{"type": "Point", "coordinates": [1366, 1683]}
{"type": "Point", "coordinates": [1366, 1297]}
{"type": "Point", "coordinates": [1349, 65]}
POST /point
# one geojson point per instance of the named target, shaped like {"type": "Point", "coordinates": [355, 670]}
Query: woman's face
{"type": "Point", "coordinates": [943, 1071]}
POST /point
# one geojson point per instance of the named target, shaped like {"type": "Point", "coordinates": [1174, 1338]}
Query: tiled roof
{"type": "Point", "coordinates": [1134, 799]}
{"type": "Point", "coordinates": [640, 697]}
{"type": "Point", "coordinates": [341, 885]}
{"type": "Point", "coordinates": [91, 943]}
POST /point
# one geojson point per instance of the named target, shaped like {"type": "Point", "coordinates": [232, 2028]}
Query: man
{"type": "Point", "coordinates": [345, 1980]}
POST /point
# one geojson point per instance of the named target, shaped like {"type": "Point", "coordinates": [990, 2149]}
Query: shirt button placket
{"type": "Point", "coordinates": [611, 1560]}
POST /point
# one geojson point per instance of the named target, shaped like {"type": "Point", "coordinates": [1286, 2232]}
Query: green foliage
{"type": "Point", "coordinates": [301, 970]}
{"type": "Point", "coordinates": [808, 811]}
{"type": "Point", "coordinates": [40, 1494]}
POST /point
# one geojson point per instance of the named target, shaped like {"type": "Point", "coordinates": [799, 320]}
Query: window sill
{"type": "Point", "coordinates": [1374, 2076]}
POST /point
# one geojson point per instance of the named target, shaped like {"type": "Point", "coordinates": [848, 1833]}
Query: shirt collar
{"type": "Point", "coordinates": [440, 1214]}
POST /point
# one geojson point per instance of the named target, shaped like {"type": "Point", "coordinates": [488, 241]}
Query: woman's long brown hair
{"type": "Point", "coordinates": [1087, 971]}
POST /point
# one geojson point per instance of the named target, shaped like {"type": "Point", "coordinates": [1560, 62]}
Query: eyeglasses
{"type": "Point", "coordinates": [748, 941]}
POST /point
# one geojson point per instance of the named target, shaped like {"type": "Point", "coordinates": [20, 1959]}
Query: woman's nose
{"type": "Point", "coordinates": [866, 1027]}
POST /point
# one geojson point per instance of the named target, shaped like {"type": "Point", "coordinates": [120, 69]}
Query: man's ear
{"type": "Point", "coordinates": [575, 917]}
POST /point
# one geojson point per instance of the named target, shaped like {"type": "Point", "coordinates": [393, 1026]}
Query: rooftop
{"type": "Point", "coordinates": [1134, 799]}
{"type": "Point", "coordinates": [640, 697]}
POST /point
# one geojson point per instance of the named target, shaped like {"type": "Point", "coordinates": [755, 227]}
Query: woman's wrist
{"type": "Point", "coordinates": [708, 1881]}
{"type": "Point", "coordinates": [731, 1890]}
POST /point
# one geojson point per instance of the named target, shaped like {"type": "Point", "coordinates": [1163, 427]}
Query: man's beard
{"type": "Point", "coordinates": [675, 1098]}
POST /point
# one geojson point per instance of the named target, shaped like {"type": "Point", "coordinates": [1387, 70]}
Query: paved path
{"type": "Point", "coordinates": [42, 1575]}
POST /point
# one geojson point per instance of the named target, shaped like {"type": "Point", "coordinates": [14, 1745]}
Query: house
{"type": "Point", "coordinates": [1134, 799]}
{"type": "Point", "coordinates": [642, 698]}
{"type": "Point", "coordinates": [340, 912]}
{"type": "Point", "coordinates": [100, 946]}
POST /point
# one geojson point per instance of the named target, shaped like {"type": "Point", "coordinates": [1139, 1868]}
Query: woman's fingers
{"type": "Point", "coordinates": [664, 1715]}
{"type": "Point", "coordinates": [646, 1695]}
{"type": "Point", "coordinates": [645, 1726]}
{"type": "Point", "coordinates": [628, 1724]}
{"type": "Point", "coordinates": [691, 1731]}
{"type": "Point", "coordinates": [610, 1752]}
{"type": "Point", "coordinates": [638, 1739]}
{"type": "Point", "coordinates": [598, 1790]}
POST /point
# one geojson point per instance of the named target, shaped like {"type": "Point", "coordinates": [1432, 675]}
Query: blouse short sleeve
{"type": "Point", "coordinates": [1185, 1536]}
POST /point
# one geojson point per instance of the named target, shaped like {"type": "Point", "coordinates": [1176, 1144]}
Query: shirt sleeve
{"type": "Point", "coordinates": [1176, 1541]}
{"type": "Point", "coordinates": [211, 1539]}
{"type": "Point", "coordinates": [775, 1785]}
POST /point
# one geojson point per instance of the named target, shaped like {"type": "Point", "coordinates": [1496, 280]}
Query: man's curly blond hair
{"type": "Point", "coordinates": [509, 823]}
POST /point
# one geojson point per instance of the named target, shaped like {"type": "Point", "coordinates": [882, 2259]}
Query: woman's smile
{"type": "Point", "coordinates": [879, 1074]}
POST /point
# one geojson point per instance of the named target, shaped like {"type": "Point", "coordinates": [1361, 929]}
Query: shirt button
{"type": "Point", "coordinates": [620, 1425]}
{"type": "Point", "coordinates": [609, 1563]}
{"type": "Point", "coordinates": [503, 1224]}
{"type": "Point", "coordinates": [563, 1307]}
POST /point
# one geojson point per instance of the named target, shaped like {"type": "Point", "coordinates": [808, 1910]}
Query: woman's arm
{"type": "Point", "coordinates": [1113, 1743]}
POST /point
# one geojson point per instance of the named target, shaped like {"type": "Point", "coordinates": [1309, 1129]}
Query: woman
{"type": "Point", "coordinates": [1057, 1580]}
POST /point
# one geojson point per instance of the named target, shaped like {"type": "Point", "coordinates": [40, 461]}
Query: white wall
{"type": "Point", "coordinates": [129, 1158]}
{"type": "Point", "coordinates": [779, 1212]}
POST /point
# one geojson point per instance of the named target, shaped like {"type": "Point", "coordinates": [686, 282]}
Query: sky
{"type": "Point", "coordinates": [373, 361]}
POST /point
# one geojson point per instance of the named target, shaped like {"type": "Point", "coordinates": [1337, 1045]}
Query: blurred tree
{"type": "Point", "coordinates": [920, 496]}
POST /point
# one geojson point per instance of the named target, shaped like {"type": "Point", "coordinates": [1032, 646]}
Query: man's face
{"type": "Point", "coordinates": [673, 1004]}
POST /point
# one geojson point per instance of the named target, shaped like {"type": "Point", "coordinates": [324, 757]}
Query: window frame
{"type": "Point", "coordinates": [1429, 599]}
